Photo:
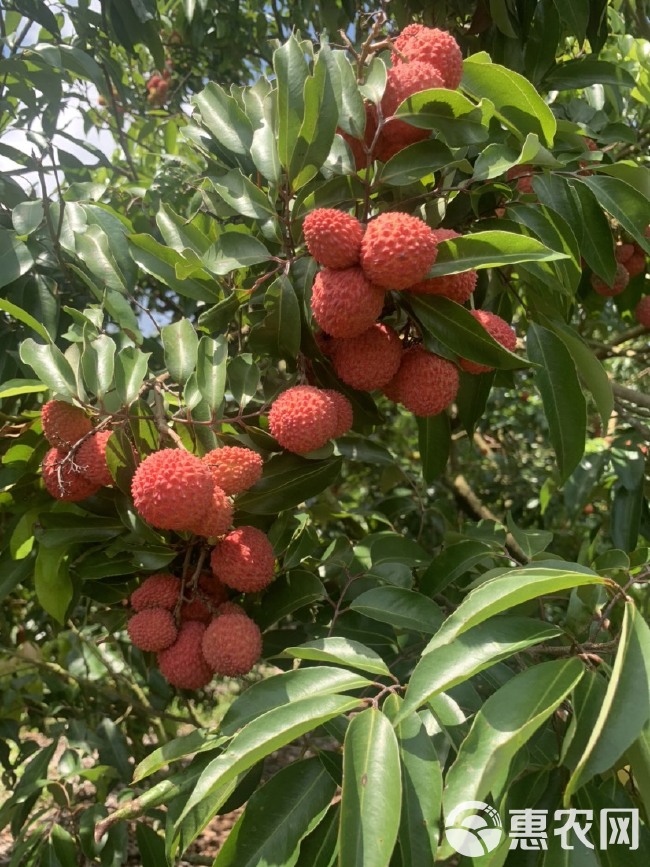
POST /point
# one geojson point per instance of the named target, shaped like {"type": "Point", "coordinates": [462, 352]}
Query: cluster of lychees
{"type": "Point", "coordinates": [359, 264]}
{"type": "Point", "coordinates": [423, 58]}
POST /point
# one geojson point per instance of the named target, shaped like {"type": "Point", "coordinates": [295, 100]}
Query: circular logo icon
{"type": "Point", "coordinates": [473, 828]}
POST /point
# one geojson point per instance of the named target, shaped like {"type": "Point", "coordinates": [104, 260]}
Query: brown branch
{"type": "Point", "coordinates": [630, 395]}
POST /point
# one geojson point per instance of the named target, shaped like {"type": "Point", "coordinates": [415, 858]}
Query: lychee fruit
{"type": "Point", "coordinates": [333, 238]}
{"type": "Point", "coordinates": [230, 608]}
{"type": "Point", "coordinates": [183, 663]}
{"type": "Point", "coordinates": [642, 311]}
{"type": "Point", "coordinates": [425, 383]}
{"type": "Point", "coordinates": [623, 252]}
{"type": "Point", "coordinates": [211, 587]}
{"type": "Point", "coordinates": [370, 360]}
{"type": "Point", "coordinates": [303, 418]}
{"type": "Point", "coordinates": [344, 413]}
{"type": "Point", "coordinates": [497, 328]}
{"type": "Point", "coordinates": [346, 302]}
{"type": "Point", "coordinates": [458, 287]}
{"type": "Point", "coordinates": [195, 609]}
{"type": "Point", "coordinates": [91, 457]}
{"type": "Point", "coordinates": [63, 480]}
{"type": "Point", "coordinates": [157, 591]}
{"type": "Point", "coordinates": [232, 644]}
{"type": "Point", "coordinates": [435, 47]}
{"type": "Point", "coordinates": [621, 279]}
{"type": "Point", "coordinates": [152, 629]}
{"type": "Point", "coordinates": [64, 424]}
{"type": "Point", "coordinates": [524, 184]}
{"type": "Point", "coordinates": [403, 81]}
{"type": "Point", "coordinates": [172, 489]}
{"type": "Point", "coordinates": [636, 263]}
{"type": "Point", "coordinates": [217, 518]}
{"type": "Point", "coordinates": [397, 251]}
{"type": "Point", "coordinates": [234, 469]}
{"type": "Point", "coordinates": [244, 560]}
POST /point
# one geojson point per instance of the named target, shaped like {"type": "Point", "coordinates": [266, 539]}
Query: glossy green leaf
{"type": "Point", "coordinates": [638, 756]}
{"type": "Point", "coordinates": [564, 402]}
{"type": "Point", "coordinates": [291, 72]}
{"type": "Point", "coordinates": [278, 816]}
{"type": "Point", "coordinates": [320, 848]}
{"type": "Point", "coordinates": [453, 562]}
{"type": "Point", "coordinates": [23, 316]}
{"type": "Point", "coordinates": [179, 234]}
{"type": "Point", "coordinates": [27, 217]}
{"type": "Point", "coordinates": [243, 378]}
{"type": "Point", "coordinates": [288, 480]}
{"type": "Point", "coordinates": [352, 113]}
{"type": "Point", "coordinates": [151, 846]}
{"type": "Point", "coordinates": [279, 334]}
{"type": "Point", "coordinates": [235, 250]}
{"type": "Point", "coordinates": [180, 343]}
{"type": "Point", "coordinates": [211, 370]}
{"type": "Point", "coordinates": [52, 580]}
{"type": "Point", "coordinates": [490, 249]}
{"type": "Point", "coordinates": [94, 249]}
{"type": "Point", "coordinates": [175, 750]}
{"type": "Point", "coordinates": [15, 258]}
{"type": "Point", "coordinates": [415, 162]}
{"type": "Point", "coordinates": [292, 591]}
{"type": "Point", "coordinates": [50, 365]}
{"type": "Point", "coordinates": [342, 651]}
{"type": "Point", "coordinates": [403, 609]}
{"type": "Point", "coordinates": [371, 793]}
{"type": "Point", "coordinates": [470, 653]}
{"type": "Point", "coordinates": [160, 262]}
{"type": "Point", "coordinates": [130, 371]}
{"type": "Point", "coordinates": [576, 74]}
{"type": "Point", "coordinates": [434, 441]}
{"type": "Point", "coordinates": [98, 364]}
{"type": "Point", "coordinates": [15, 387]}
{"type": "Point", "coordinates": [625, 203]}
{"type": "Point", "coordinates": [459, 121]}
{"type": "Point", "coordinates": [225, 120]}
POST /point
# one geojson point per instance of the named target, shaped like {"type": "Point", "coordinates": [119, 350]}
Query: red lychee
{"type": "Point", "coordinates": [621, 280]}
{"type": "Point", "coordinates": [183, 663]}
{"type": "Point", "coordinates": [232, 644]}
{"type": "Point", "coordinates": [370, 360]}
{"type": "Point", "coordinates": [91, 456]}
{"type": "Point", "coordinates": [403, 81]}
{"type": "Point", "coordinates": [234, 469]}
{"type": "Point", "coordinates": [230, 608]}
{"type": "Point", "coordinates": [642, 311]}
{"type": "Point", "coordinates": [333, 238]}
{"type": "Point", "coordinates": [345, 303]}
{"type": "Point", "coordinates": [152, 629]}
{"type": "Point", "coordinates": [157, 591]}
{"type": "Point", "coordinates": [458, 287]}
{"type": "Point", "coordinates": [195, 609]}
{"type": "Point", "coordinates": [211, 587]}
{"type": "Point", "coordinates": [64, 424]}
{"type": "Point", "coordinates": [244, 560]}
{"type": "Point", "coordinates": [344, 413]}
{"type": "Point", "coordinates": [63, 480]}
{"type": "Point", "coordinates": [524, 184]}
{"type": "Point", "coordinates": [425, 383]}
{"type": "Point", "coordinates": [172, 489]}
{"type": "Point", "coordinates": [303, 419]}
{"type": "Point", "coordinates": [217, 519]}
{"type": "Point", "coordinates": [636, 263]}
{"type": "Point", "coordinates": [624, 252]}
{"type": "Point", "coordinates": [397, 251]}
{"type": "Point", "coordinates": [497, 328]}
{"type": "Point", "coordinates": [433, 46]}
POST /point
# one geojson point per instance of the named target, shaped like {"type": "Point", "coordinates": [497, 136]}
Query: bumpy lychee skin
{"type": "Point", "coordinates": [303, 419]}
{"type": "Point", "coordinates": [433, 46]}
{"type": "Point", "coordinates": [217, 518]}
{"type": "Point", "coordinates": [230, 608]}
{"type": "Point", "coordinates": [497, 328]}
{"type": "Point", "coordinates": [397, 251]}
{"type": "Point", "coordinates": [211, 587]}
{"type": "Point", "coordinates": [345, 303]}
{"type": "Point", "coordinates": [195, 609]}
{"type": "Point", "coordinates": [642, 311]}
{"type": "Point", "coordinates": [234, 469]}
{"type": "Point", "coordinates": [425, 383]}
{"type": "Point", "coordinates": [524, 184]}
{"type": "Point", "coordinates": [157, 591]}
{"type": "Point", "coordinates": [333, 238]}
{"type": "Point", "coordinates": [152, 630]}
{"type": "Point", "coordinates": [244, 560]}
{"type": "Point", "coordinates": [636, 263]}
{"type": "Point", "coordinates": [91, 455]}
{"type": "Point", "coordinates": [621, 280]}
{"type": "Point", "coordinates": [63, 481]}
{"type": "Point", "coordinates": [172, 489]}
{"type": "Point", "coordinates": [403, 81]}
{"type": "Point", "coordinates": [64, 424]}
{"type": "Point", "coordinates": [183, 663]}
{"type": "Point", "coordinates": [344, 413]}
{"type": "Point", "coordinates": [624, 252]}
{"type": "Point", "coordinates": [369, 361]}
{"type": "Point", "coordinates": [232, 644]}
{"type": "Point", "coordinates": [458, 287]}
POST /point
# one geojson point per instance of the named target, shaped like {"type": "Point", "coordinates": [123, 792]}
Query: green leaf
{"type": "Point", "coordinates": [502, 726]}
{"type": "Point", "coordinates": [434, 443]}
{"type": "Point", "coordinates": [531, 541]}
{"type": "Point", "coordinates": [626, 706]}
{"type": "Point", "coordinates": [211, 370]}
{"type": "Point", "coordinates": [291, 73]}
{"type": "Point", "coordinates": [626, 204]}
{"type": "Point", "coordinates": [179, 234]}
{"type": "Point", "coordinates": [180, 343]}
{"type": "Point", "coordinates": [264, 149]}
{"type": "Point", "coordinates": [173, 751]}
{"type": "Point", "coordinates": [352, 113]}
{"type": "Point", "coordinates": [575, 15]}
{"type": "Point", "coordinates": [234, 250]}
{"type": "Point", "coordinates": [490, 249]}
{"type": "Point", "coordinates": [98, 364]}
{"type": "Point", "coordinates": [23, 316]}
{"type": "Point", "coordinates": [626, 515]}
{"type": "Point", "coordinates": [516, 102]}
{"type": "Point", "coordinates": [638, 756]}
{"type": "Point", "coordinates": [52, 580]}
{"type": "Point", "coordinates": [278, 816]}
{"type": "Point", "coordinates": [288, 480]}
{"type": "Point", "coordinates": [453, 562]}
{"type": "Point", "coordinates": [371, 792]}
{"type": "Point", "coordinates": [459, 121]}
{"type": "Point", "coordinates": [160, 262]}
{"type": "Point", "coordinates": [258, 739]}
{"type": "Point", "coordinates": [413, 163]}
{"type": "Point", "coordinates": [15, 258]}
{"type": "Point", "coordinates": [131, 367]}
{"type": "Point", "coordinates": [564, 402]}
{"type": "Point", "coordinates": [94, 249]}
{"type": "Point", "coordinates": [403, 609]}
{"type": "Point", "coordinates": [505, 591]}
{"type": "Point", "coordinates": [342, 651]}
{"type": "Point", "coordinates": [472, 398]}
{"type": "Point", "coordinates": [27, 217]}
{"type": "Point", "coordinates": [553, 230]}
{"type": "Point", "coordinates": [226, 121]}
{"type": "Point", "coordinates": [454, 326]}
{"type": "Point", "coordinates": [279, 334]}
{"type": "Point", "coordinates": [243, 378]}
{"type": "Point", "coordinates": [243, 196]}
{"type": "Point", "coordinates": [50, 366]}
{"type": "Point", "coordinates": [320, 848]}
{"type": "Point", "coordinates": [151, 846]}
{"type": "Point", "coordinates": [470, 653]}
{"type": "Point", "coordinates": [576, 74]}
{"type": "Point", "coordinates": [287, 594]}
{"type": "Point", "coordinates": [14, 387]}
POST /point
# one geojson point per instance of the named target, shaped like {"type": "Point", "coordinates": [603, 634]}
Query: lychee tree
{"type": "Point", "coordinates": [257, 417]}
